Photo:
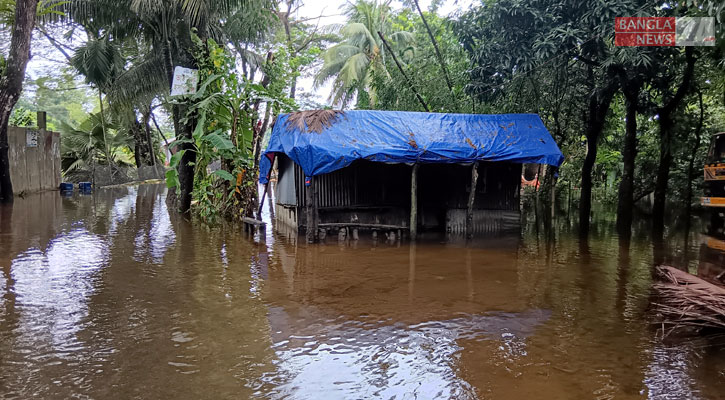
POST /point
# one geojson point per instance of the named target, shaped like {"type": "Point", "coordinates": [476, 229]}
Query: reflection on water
{"type": "Point", "coordinates": [111, 296]}
{"type": "Point", "coordinates": [337, 357]}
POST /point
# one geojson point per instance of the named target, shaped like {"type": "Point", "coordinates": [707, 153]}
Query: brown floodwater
{"type": "Point", "coordinates": [111, 296]}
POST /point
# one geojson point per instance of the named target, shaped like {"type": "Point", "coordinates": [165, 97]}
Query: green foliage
{"type": "Point", "coordinates": [552, 57]}
{"type": "Point", "coordinates": [59, 93]}
{"type": "Point", "coordinates": [361, 55]}
{"type": "Point", "coordinates": [172, 174]}
{"type": "Point", "coordinates": [99, 60]}
{"type": "Point", "coordinates": [22, 117]}
{"type": "Point", "coordinates": [424, 69]}
{"type": "Point", "coordinates": [223, 112]}
{"type": "Point", "coordinates": [85, 146]}
{"type": "Point", "coordinates": [45, 8]}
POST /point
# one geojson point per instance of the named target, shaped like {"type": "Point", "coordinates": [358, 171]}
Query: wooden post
{"type": "Point", "coordinates": [552, 193]}
{"type": "Point", "coordinates": [310, 211]}
{"type": "Point", "coordinates": [471, 199]}
{"type": "Point", "coordinates": [315, 209]}
{"type": "Point", "coordinates": [568, 201]}
{"type": "Point", "coordinates": [411, 272]}
{"type": "Point", "coordinates": [414, 202]}
{"type": "Point", "coordinates": [536, 185]}
{"type": "Point", "coordinates": [42, 120]}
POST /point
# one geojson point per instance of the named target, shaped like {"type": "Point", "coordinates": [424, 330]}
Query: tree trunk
{"type": "Point", "coordinates": [293, 88]}
{"type": "Point", "coordinates": [402, 71]}
{"type": "Point", "coordinates": [585, 200]}
{"type": "Point", "coordinates": [139, 152]}
{"type": "Point", "coordinates": [625, 203]}
{"type": "Point", "coordinates": [150, 155]}
{"type": "Point", "coordinates": [599, 103]}
{"type": "Point", "coordinates": [663, 173]}
{"type": "Point", "coordinates": [107, 149]}
{"type": "Point", "coordinates": [186, 165]}
{"type": "Point", "coordinates": [691, 165]}
{"type": "Point", "coordinates": [435, 47]}
{"type": "Point", "coordinates": [183, 130]}
{"type": "Point", "coordinates": [11, 84]}
{"type": "Point", "coordinates": [667, 125]}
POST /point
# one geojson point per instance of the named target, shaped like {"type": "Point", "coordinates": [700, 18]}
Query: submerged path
{"type": "Point", "coordinates": [111, 296]}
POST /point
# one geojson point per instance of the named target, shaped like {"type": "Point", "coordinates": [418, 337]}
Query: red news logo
{"type": "Point", "coordinates": [644, 31]}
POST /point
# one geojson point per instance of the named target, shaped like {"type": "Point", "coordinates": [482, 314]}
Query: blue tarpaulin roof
{"type": "Point", "coordinates": [410, 137]}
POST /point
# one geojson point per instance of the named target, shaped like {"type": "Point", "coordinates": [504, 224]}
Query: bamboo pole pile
{"type": "Point", "coordinates": [685, 300]}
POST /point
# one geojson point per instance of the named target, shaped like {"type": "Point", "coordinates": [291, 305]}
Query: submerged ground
{"type": "Point", "coordinates": [111, 296]}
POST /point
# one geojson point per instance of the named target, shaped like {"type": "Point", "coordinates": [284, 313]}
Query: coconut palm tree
{"type": "Point", "coordinates": [352, 63]}
{"type": "Point", "coordinates": [100, 62]}
{"type": "Point", "coordinates": [96, 141]}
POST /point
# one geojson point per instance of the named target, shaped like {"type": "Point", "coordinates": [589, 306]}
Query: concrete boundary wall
{"type": "Point", "coordinates": [34, 159]}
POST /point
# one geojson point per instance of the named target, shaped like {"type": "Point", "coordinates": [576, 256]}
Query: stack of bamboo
{"type": "Point", "coordinates": [688, 301]}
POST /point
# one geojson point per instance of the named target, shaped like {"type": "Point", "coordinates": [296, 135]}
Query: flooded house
{"type": "Point", "coordinates": [402, 172]}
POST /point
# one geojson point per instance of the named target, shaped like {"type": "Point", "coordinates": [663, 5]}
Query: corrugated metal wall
{"type": "Point", "coordinates": [484, 221]}
{"type": "Point", "coordinates": [380, 193]}
{"type": "Point", "coordinates": [363, 184]}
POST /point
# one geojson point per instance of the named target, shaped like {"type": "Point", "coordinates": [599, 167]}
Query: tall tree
{"type": "Point", "coordinates": [509, 40]}
{"type": "Point", "coordinates": [100, 62]}
{"type": "Point", "coordinates": [352, 63]}
{"type": "Point", "coordinates": [631, 87]}
{"type": "Point", "coordinates": [167, 27]}
{"type": "Point", "coordinates": [11, 84]}
{"type": "Point", "coordinates": [666, 121]}
{"type": "Point", "coordinates": [600, 99]}
{"type": "Point", "coordinates": [418, 75]}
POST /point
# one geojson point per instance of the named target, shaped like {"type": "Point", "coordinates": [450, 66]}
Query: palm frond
{"type": "Point", "coordinates": [99, 61]}
{"type": "Point", "coordinates": [250, 23]}
{"type": "Point", "coordinates": [341, 51]}
{"type": "Point", "coordinates": [140, 83]}
{"type": "Point", "coordinates": [114, 18]}
{"type": "Point", "coordinates": [402, 38]}
{"type": "Point", "coordinates": [253, 59]}
{"type": "Point", "coordinates": [358, 35]}
{"type": "Point", "coordinates": [355, 69]}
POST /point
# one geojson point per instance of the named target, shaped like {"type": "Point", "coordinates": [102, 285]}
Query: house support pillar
{"type": "Point", "coordinates": [414, 202]}
{"type": "Point", "coordinates": [312, 215]}
{"type": "Point", "coordinates": [471, 200]}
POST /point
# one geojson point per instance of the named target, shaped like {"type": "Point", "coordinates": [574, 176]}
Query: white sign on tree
{"type": "Point", "coordinates": [185, 81]}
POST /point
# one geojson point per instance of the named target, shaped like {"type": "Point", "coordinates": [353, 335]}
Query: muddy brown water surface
{"type": "Point", "coordinates": [111, 296]}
